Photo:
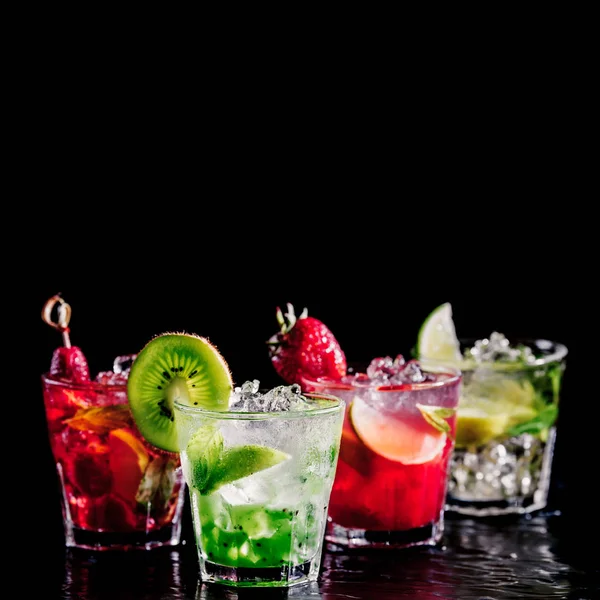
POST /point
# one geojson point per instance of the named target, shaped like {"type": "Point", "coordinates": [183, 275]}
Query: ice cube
{"type": "Point", "coordinates": [380, 368]}
{"type": "Point", "coordinates": [234, 495]}
{"type": "Point", "coordinates": [497, 348]}
{"type": "Point", "coordinates": [410, 373]}
{"type": "Point", "coordinates": [399, 363]}
{"type": "Point", "coordinates": [111, 378]}
{"type": "Point", "coordinates": [384, 368]}
{"type": "Point", "coordinates": [247, 398]}
{"type": "Point", "coordinates": [255, 489]}
{"type": "Point", "coordinates": [122, 364]}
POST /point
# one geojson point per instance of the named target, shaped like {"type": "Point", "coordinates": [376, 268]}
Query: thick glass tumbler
{"type": "Point", "coordinates": [397, 441]}
{"type": "Point", "coordinates": [117, 492]}
{"type": "Point", "coordinates": [259, 485]}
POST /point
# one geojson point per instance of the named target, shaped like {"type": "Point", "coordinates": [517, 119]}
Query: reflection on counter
{"type": "Point", "coordinates": [536, 557]}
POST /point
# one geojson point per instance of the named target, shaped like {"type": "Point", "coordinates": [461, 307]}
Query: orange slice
{"type": "Point", "coordinates": [408, 441]}
{"type": "Point", "coordinates": [128, 461]}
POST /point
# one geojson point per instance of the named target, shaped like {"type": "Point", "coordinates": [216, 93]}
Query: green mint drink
{"type": "Point", "coordinates": [259, 466]}
{"type": "Point", "coordinates": [260, 476]}
{"type": "Point", "coordinates": [254, 536]}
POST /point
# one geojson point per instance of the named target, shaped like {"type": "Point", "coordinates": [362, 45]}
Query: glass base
{"type": "Point", "coordinates": [342, 538]}
{"type": "Point", "coordinates": [514, 506]}
{"type": "Point", "coordinates": [502, 478]}
{"type": "Point", "coordinates": [102, 540]}
{"type": "Point", "coordinates": [285, 576]}
{"type": "Point", "coordinates": [93, 539]}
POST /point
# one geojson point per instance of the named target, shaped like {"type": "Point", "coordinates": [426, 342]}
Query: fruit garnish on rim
{"type": "Point", "coordinates": [437, 336]}
{"type": "Point", "coordinates": [492, 402]}
{"type": "Point", "coordinates": [68, 362]}
{"type": "Point", "coordinates": [305, 346]}
{"type": "Point", "coordinates": [174, 367]}
{"type": "Point", "coordinates": [397, 438]}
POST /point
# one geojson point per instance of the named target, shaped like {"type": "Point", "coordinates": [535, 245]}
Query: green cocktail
{"type": "Point", "coordinates": [254, 536]}
{"type": "Point", "coordinates": [260, 476]}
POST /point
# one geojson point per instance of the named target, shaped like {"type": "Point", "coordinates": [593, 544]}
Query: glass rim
{"type": "Point", "coordinates": [87, 386]}
{"type": "Point", "coordinates": [455, 376]}
{"type": "Point", "coordinates": [557, 352]}
{"type": "Point", "coordinates": [337, 405]}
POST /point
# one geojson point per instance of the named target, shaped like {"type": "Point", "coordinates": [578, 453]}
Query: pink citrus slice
{"type": "Point", "coordinates": [408, 441]}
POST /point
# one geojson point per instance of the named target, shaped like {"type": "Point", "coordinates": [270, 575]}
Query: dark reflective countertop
{"type": "Point", "coordinates": [545, 556]}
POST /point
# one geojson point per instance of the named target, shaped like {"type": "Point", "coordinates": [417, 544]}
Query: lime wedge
{"type": "Point", "coordinates": [211, 466]}
{"type": "Point", "coordinates": [242, 461]}
{"type": "Point", "coordinates": [437, 337]}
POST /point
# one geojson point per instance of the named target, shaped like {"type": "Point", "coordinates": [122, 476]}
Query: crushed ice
{"type": "Point", "coordinates": [248, 398]}
{"type": "Point", "coordinates": [119, 373]}
{"type": "Point", "coordinates": [388, 371]}
{"type": "Point", "coordinates": [497, 348]}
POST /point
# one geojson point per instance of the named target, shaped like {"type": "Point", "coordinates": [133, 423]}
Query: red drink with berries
{"type": "Point", "coordinates": [397, 440]}
{"type": "Point", "coordinates": [117, 490]}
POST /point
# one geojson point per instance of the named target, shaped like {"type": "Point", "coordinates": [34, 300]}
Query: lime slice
{"type": "Point", "coordinates": [173, 367]}
{"type": "Point", "coordinates": [437, 337]}
{"type": "Point", "coordinates": [490, 406]}
{"type": "Point", "coordinates": [501, 389]}
{"type": "Point", "coordinates": [410, 442]}
{"type": "Point", "coordinates": [477, 426]}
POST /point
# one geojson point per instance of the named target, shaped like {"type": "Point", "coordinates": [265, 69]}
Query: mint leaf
{"type": "Point", "coordinates": [542, 421]}
{"type": "Point", "coordinates": [158, 482]}
{"type": "Point", "coordinates": [436, 416]}
{"type": "Point", "coordinates": [241, 461]}
{"type": "Point", "coordinates": [203, 451]}
{"type": "Point", "coordinates": [100, 419]}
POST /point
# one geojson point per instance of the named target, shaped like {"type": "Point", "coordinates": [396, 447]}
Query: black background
{"type": "Point", "coordinates": [156, 207]}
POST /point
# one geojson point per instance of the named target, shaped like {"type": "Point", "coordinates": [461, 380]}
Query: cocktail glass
{"type": "Point", "coordinates": [117, 492]}
{"type": "Point", "coordinates": [398, 436]}
{"type": "Point", "coordinates": [506, 425]}
{"type": "Point", "coordinates": [259, 478]}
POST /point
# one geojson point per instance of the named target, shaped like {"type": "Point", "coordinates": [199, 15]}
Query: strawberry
{"type": "Point", "coordinates": [68, 362]}
{"type": "Point", "coordinates": [305, 346]}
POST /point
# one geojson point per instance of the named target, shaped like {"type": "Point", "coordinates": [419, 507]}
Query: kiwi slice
{"type": "Point", "coordinates": [173, 367]}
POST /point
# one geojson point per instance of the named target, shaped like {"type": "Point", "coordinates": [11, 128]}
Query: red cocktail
{"type": "Point", "coordinates": [398, 436]}
{"type": "Point", "coordinates": [117, 490]}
